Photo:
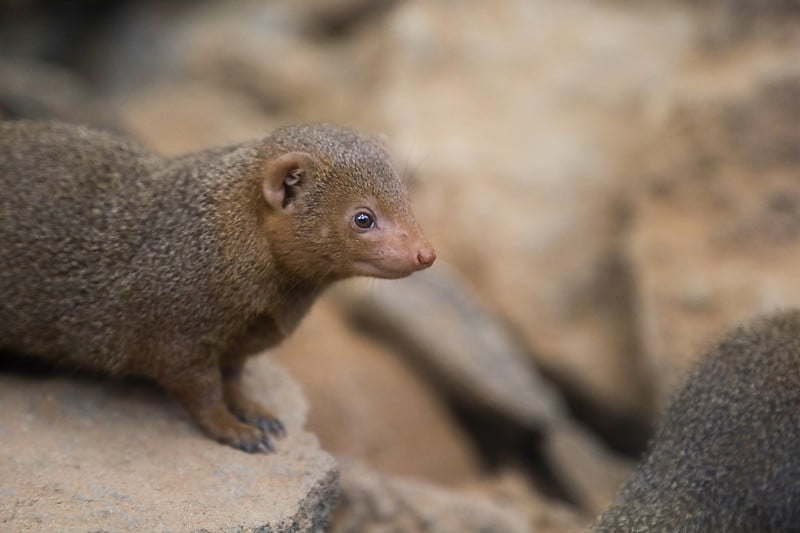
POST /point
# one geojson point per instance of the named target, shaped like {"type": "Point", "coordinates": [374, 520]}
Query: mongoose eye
{"type": "Point", "coordinates": [364, 220]}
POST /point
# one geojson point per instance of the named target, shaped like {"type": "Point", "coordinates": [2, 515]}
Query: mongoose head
{"type": "Point", "coordinates": [336, 207]}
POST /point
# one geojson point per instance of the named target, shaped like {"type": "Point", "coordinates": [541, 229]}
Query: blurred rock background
{"type": "Point", "coordinates": [609, 185]}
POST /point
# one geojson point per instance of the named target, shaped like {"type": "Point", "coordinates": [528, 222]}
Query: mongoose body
{"type": "Point", "coordinates": [177, 270]}
{"type": "Point", "coordinates": [726, 456]}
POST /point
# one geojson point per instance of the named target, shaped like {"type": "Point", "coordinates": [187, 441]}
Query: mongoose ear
{"type": "Point", "coordinates": [284, 178]}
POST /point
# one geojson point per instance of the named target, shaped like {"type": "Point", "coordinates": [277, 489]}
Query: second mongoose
{"type": "Point", "coordinates": [115, 259]}
{"type": "Point", "coordinates": [726, 456]}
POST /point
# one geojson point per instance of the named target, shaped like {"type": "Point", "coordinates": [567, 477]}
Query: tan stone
{"type": "Point", "coordinates": [585, 467]}
{"type": "Point", "coordinates": [177, 118]}
{"type": "Point", "coordinates": [34, 89]}
{"type": "Point", "coordinates": [84, 455]}
{"type": "Point", "coordinates": [446, 330]}
{"type": "Point", "coordinates": [726, 23]}
{"type": "Point", "coordinates": [367, 403]}
{"type": "Point", "coordinates": [376, 503]}
{"type": "Point", "coordinates": [717, 227]}
{"type": "Point", "coordinates": [516, 118]}
{"type": "Point", "coordinates": [509, 488]}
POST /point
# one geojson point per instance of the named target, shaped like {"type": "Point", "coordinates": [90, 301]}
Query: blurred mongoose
{"type": "Point", "coordinates": [726, 456]}
{"type": "Point", "coordinates": [115, 259]}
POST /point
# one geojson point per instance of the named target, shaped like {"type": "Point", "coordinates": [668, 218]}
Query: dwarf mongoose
{"type": "Point", "coordinates": [726, 456]}
{"type": "Point", "coordinates": [115, 259]}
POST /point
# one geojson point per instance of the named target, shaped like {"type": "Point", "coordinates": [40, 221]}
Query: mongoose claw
{"type": "Point", "coordinates": [248, 438]}
{"type": "Point", "coordinates": [271, 426]}
{"type": "Point", "coordinates": [261, 446]}
{"type": "Point", "coordinates": [265, 446]}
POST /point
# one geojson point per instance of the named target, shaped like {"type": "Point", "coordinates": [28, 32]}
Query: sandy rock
{"type": "Point", "coordinates": [509, 488]}
{"type": "Point", "coordinates": [82, 455]}
{"type": "Point", "coordinates": [372, 503]}
{"type": "Point", "coordinates": [31, 89]}
{"type": "Point", "coordinates": [727, 23]}
{"type": "Point", "coordinates": [179, 117]}
{"type": "Point", "coordinates": [717, 227]}
{"type": "Point", "coordinates": [366, 404]}
{"type": "Point", "coordinates": [336, 17]}
{"type": "Point", "coordinates": [585, 467]}
{"type": "Point", "coordinates": [263, 51]}
{"type": "Point", "coordinates": [516, 117]}
{"type": "Point", "coordinates": [446, 330]}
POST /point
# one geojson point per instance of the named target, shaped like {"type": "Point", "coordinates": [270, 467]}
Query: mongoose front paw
{"type": "Point", "coordinates": [225, 428]}
{"type": "Point", "coordinates": [271, 426]}
{"type": "Point", "coordinates": [248, 438]}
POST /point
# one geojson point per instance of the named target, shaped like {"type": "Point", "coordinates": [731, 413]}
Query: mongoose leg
{"type": "Point", "coordinates": [201, 394]}
{"type": "Point", "coordinates": [243, 407]}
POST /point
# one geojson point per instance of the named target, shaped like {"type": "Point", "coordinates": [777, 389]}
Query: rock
{"type": "Point", "coordinates": [372, 502]}
{"type": "Point", "coordinates": [82, 455]}
{"type": "Point", "coordinates": [447, 331]}
{"type": "Point", "coordinates": [179, 117]}
{"type": "Point", "coordinates": [262, 51]}
{"type": "Point", "coordinates": [728, 22]}
{"type": "Point", "coordinates": [336, 17]}
{"type": "Point", "coordinates": [716, 237]}
{"type": "Point", "coordinates": [589, 472]}
{"type": "Point", "coordinates": [516, 118]}
{"type": "Point", "coordinates": [545, 515]}
{"type": "Point", "coordinates": [366, 404]}
{"type": "Point", "coordinates": [35, 90]}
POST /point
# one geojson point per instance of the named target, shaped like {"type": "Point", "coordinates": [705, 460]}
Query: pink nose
{"type": "Point", "coordinates": [426, 256]}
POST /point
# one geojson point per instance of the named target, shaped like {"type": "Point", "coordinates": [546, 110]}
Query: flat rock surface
{"type": "Point", "coordinates": [82, 454]}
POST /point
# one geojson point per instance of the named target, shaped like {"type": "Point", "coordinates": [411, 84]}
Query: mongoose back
{"type": "Point", "coordinates": [115, 259]}
{"type": "Point", "coordinates": [726, 456]}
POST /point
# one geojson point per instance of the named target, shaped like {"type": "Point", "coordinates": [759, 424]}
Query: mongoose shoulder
{"type": "Point", "coordinates": [726, 456]}
{"type": "Point", "coordinates": [116, 259]}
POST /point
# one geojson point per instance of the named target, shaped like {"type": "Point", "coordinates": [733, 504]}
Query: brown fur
{"type": "Point", "coordinates": [115, 259]}
{"type": "Point", "coordinates": [726, 456]}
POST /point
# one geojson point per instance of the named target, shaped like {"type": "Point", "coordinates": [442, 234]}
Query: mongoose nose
{"type": "Point", "coordinates": [426, 257]}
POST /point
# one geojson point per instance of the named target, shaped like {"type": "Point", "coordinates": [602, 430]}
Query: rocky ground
{"type": "Point", "coordinates": [609, 185]}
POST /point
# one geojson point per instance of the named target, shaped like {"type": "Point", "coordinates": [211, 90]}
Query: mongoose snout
{"type": "Point", "coordinates": [398, 256]}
